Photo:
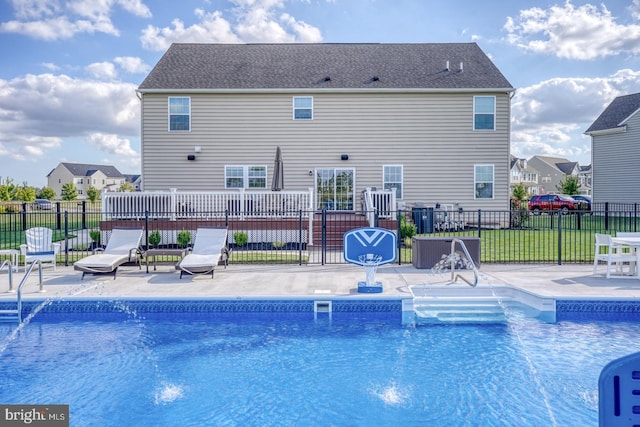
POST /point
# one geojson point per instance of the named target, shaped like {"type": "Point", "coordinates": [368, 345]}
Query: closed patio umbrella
{"type": "Point", "coordinates": [277, 183]}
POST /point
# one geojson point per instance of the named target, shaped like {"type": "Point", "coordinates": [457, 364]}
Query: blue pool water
{"type": "Point", "coordinates": [246, 369]}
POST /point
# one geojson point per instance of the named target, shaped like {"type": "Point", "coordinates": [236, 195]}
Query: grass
{"type": "Point", "coordinates": [538, 241]}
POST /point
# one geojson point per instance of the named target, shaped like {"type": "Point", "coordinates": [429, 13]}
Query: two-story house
{"type": "Point", "coordinates": [83, 176]}
{"type": "Point", "coordinates": [522, 173]}
{"type": "Point", "coordinates": [428, 121]}
{"type": "Point", "coordinates": [615, 151]}
{"type": "Point", "coordinates": [552, 171]}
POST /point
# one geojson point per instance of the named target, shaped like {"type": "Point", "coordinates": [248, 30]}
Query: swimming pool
{"type": "Point", "coordinates": [289, 369]}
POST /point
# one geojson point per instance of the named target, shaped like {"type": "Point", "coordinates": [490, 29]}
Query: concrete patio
{"type": "Point", "coordinates": [573, 281]}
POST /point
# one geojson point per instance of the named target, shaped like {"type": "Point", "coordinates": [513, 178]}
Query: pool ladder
{"type": "Point", "coordinates": [9, 315]}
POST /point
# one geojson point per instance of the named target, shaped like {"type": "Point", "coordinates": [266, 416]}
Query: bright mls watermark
{"type": "Point", "coordinates": [34, 415]}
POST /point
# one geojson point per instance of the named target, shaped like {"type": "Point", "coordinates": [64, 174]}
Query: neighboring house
{"type": "Point", "coordinates": [615, 152]}
{"type": "Point", "coordinates": [552, 171]}
{"type": "Point", "coordinates": [522, 173]}
{"type": "Point", "coordinates": [83, 176]}
{"type": "Point", "coordinates": [135, 180]}
{"type": "Point", "coordinates": [585, 180]}
{"type": "Point", "coordinates": [430, 121]}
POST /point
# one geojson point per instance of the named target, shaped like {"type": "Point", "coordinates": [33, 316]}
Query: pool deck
{"type": "Point", "coordinates": [574, 282]}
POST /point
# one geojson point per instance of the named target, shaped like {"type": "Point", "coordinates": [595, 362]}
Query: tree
{"type": "Point", "coordinates": [8, 190]}
{"type": "Point", "coordinates": [569, 185]}
{"type": "Point", "coordinates": [26, 193]}
{"type": "Point", "coordinates": [47, 193]}
{"type": "Point", "coordinates": [69, 192]}
{"type": "Point", "coordinates": [93, 194]}
{"type": "Point", "coordinates": [127, 186]}
{"type": "Point", "coordinates": [519, 192]}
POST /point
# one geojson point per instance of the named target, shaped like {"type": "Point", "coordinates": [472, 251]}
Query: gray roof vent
{"type": "Point", "coordinates": [461, 66]}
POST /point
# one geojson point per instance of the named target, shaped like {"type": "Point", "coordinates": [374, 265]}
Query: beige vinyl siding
{"type": "Point", "coordinates": [430, 135]}
{"type": "Point", "coordinates": [615, 160]}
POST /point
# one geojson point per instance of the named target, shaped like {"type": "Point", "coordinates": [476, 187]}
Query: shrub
{"type": "Point", "coordinates": [95, 236]}
{"type": "Point", "coordinates": [155, 238]}
{"type": "Point", "coordinates": [184, 237]}
{"type": "Point", "coordinates": [278, 244]}
{"type": "Point", "coordinates": [407, 229]}
{"type": "Point", "coordinates": [241, 238]}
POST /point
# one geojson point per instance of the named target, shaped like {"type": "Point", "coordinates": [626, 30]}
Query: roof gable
{"type": "Point", "coordinates": [81, 169]}
{"type": "Point", "coordinates": [324, 66]}
{"type": "Point", "coordinates": [617, 113]}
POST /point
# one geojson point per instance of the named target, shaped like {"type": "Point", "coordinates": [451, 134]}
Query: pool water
{"type": "Point", "coordinates": [291, 370]}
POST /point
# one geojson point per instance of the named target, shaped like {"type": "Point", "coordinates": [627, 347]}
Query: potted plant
{"type": "Point", "coordinates": [184, 238]}
{"type": "Point", "coordinates": [155, 238]}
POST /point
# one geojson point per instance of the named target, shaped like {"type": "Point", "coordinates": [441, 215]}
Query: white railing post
{"type": "Point", "coordinates": [242, 204]}
{"type": "Point", "coordinates": [310, 212]}
{"type": "Point", "coordinates": [172, 204]}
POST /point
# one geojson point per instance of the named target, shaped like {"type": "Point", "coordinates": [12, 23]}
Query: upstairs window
{"type": "Point", "coordinates": [302, 108]}
{"type": "Point", "coordinates": [484, 113]}
{"type": "Point", "coordinates": [179, 114]}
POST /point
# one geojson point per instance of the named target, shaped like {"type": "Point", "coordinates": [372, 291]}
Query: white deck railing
{"type": "Point", "coordinates": [381, 201]}
{"type": "Point", "coordinates": [175, 204]}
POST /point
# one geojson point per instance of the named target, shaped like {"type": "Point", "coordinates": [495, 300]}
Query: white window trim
{"type": "Point", "coordinates": [293, 109]}
{"type": "Point", "coordinates": [401, 196]}
{"type": "Point", "coordinates": [473, 119]}
{"type": "Point", "coordinates": [169, 113]}
{"type": "Point", "coordinates": [245, 176]}
{"type": "Point", "coordinates": [493, 181]}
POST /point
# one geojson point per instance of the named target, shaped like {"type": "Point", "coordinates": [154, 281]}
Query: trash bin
{"type": "Point", "coordinates": [423, 219]}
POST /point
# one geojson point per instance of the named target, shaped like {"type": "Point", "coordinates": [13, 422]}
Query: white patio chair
{"type": "Point", "coordinates": [39, 246]}
{"type": "Point", "coordinates": [614, 256]}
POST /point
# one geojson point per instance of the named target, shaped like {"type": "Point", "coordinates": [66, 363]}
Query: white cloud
{"type": "Point", "coordinates": [213, 28]}
{"type": "Point", "coordinates": [132, 64]}
{"type": "Point", "coordinates": [55, 20]}
{"type": "Point", "coordinates": [102, 70]}
{"type": "Point", "coordinates": [255, 21]}
{"type": "Point", "coordinates": [112, 144]}
{"type": "Point", "coordinates": [38, 111]}
{"type": "Point", "coordinates": [551, 116]}
{"type": "Point", "coordinates": [584, 32]}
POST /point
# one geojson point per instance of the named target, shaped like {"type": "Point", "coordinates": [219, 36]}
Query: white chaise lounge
{"type": "Point", "coordinates": [123, 247]}
{"type": "Point", "coordinates": [209, 249]}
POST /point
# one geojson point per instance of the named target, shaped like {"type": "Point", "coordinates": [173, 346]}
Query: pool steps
{"type": "Point", "coordinates": [460, 310]}
{"type": "Point", "coordinates": [482, 304]}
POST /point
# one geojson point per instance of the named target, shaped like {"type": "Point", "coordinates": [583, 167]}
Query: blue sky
{"type": "Point", "coordinates": [69, 69]}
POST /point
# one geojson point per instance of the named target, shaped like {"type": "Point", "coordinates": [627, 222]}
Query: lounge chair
{"type": "Point", "coordinates": [209, 249]}
{"type": "Point", "coordinates": [39, 246]}
{"type": "Point", "coordinates": [122, 247]}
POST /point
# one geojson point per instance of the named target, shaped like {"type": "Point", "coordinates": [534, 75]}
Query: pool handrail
{"type": "Point", "coordinates": [23, 281]}
{"type": "Point", "coordinates": [454, 277]}
{"type": "Point", "coordinates": [10, 269]}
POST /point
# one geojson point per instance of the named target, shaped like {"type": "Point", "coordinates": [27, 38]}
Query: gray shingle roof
{"type": "Point", "coordinates": [80, 169]}
{"type": "Point", "coordinates": [324, 66]}
{"type": "Point", "coordinates": [619, 110]}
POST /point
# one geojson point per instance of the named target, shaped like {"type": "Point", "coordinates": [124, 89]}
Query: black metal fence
{"type": "Point", "coordinates": [516, 236]}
